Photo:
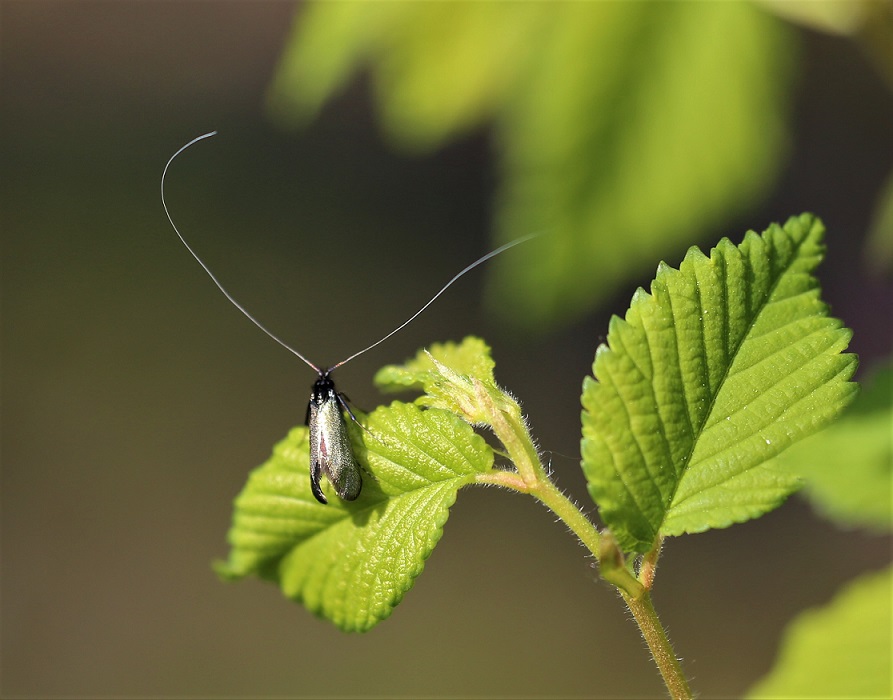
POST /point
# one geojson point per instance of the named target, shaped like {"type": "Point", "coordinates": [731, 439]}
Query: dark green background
{"type": "Point", "coordinates": [135, 399]}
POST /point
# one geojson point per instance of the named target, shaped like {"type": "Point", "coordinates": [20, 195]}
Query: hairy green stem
{"type": "Point", "coordinates": [508, 424]}
{"type": "Point", "coordinates": [659, 645]}
{"type": "Point", "coordinates": [531, 477]}
{"type": "Point", "coordinates": [649, 565]}
{"type": "Point", "coordinates": [635, 595]}
{"type": "Point", "coordinates": [547, 493]}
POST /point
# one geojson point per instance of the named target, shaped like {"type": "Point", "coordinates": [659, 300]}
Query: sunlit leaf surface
{"type": "Point", "coordinates": [470, 358]}
{"type": "Point", "coordinates": [352, 562]}
{"type": "Point", "coordinates": [728, 361]}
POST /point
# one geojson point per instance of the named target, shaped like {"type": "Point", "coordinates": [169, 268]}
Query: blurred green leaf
{"type": "Point", "coordinates": [644, 125]}
{"type": "Point", "coordinates": [879, 247]}
{"type": "Point", "coordinates": [844, 650]}
{"type": "Point", "coordinates": [624, 129]}
{"type": "Point", "coordinates": [439, 68]}
{"type": "Point", "coordinates": [834, 16]}
{"type": "Point", "coordinates": [352, 562]}
{"type": "Point", "coordinates": [726, 363]}
{"type": "Point", "coordinates": [849, 466]}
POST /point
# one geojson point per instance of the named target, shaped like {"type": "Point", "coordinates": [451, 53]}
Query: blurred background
{"type": "Point", "coordinates": [364, 157]}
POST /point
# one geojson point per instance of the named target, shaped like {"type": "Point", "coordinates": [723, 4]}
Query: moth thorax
{"type": "Point", "coordinates": [323, 389]}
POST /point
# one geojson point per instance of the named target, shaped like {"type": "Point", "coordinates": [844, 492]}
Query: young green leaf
{"type": "Point", "coordinates": [470, 358]}
{"type": "Point", "coordinates": [727, 362]}
{"type": "Point", "coordinates": [352, 562]}
{"type": "Point", "coordinates": [848, 467]}
{"type": "Point", "coordinates": [844, 650]}
{"type": "Point", "coordinates": [452, 377]}
{"type": "Point", "coordinates": [459, 379]}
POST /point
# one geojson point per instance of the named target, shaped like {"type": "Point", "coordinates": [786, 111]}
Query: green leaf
{"type": "Point", "coordinates": [672, 122]}
{"type": "Point", "coordinates": [452, 377]}
{"type": "Point", "coordinates": [439, 68]}
{"type": "Point", "coordinates": [470, 358]}
{"type": "Point", "coordinates": [352, 562]}
{"type": "Point", "coordinates": [726, 363]}
{"type": "Point", "coordinates": [848, 467]}
{"type": "Point", "coordinates": [622, 129]}
{"type": "Point", "coordinates": [844, 650]}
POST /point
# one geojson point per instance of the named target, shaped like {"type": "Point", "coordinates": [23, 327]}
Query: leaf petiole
{"type": "Point", "coordinates": [504, 416]}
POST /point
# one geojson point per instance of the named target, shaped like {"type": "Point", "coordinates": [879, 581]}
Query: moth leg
{"type": "Point", "coordinates": [315, 475]}
{"type": "Point", "coordinates": [342, 402]}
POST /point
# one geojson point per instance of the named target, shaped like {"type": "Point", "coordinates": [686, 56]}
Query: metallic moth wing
{"type": "Point", "coordinates": [330, 449]}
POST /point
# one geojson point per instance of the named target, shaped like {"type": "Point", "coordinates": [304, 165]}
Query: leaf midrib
{"type": "Point", "coordinates": [794, 258]}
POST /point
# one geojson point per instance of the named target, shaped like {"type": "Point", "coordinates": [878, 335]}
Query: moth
{"type": "Point", "coordinates": [331, 453]}
{"type": "Point", "coordinates": [330, 450]}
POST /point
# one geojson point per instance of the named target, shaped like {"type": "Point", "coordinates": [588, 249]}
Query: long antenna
{"type": "Point", "coordinates": [211, 274]}
{"type": "Point", "coordinates": [485, 258]}
{"type": "Point", "coordinates": [285, 345]}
